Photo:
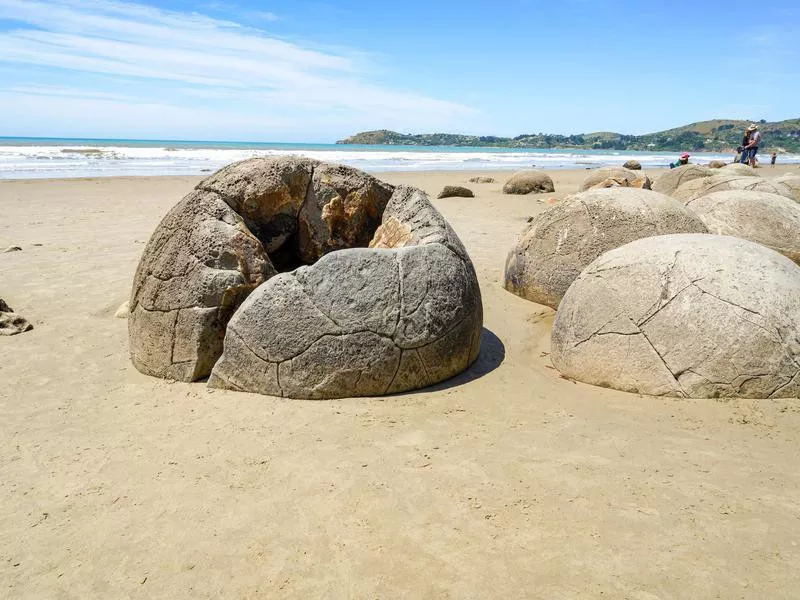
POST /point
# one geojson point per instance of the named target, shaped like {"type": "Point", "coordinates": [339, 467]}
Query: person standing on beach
{"type": "Point", "coordinates": [751, 149]}
{"type": "Point", "coordinates": [743, 147]}
{"type": "Point", "coordinates": [773, 158]}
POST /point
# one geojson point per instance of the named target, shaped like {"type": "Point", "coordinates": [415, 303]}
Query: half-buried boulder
{"type": "Point", "coordinates": [529, 182]}
{"type": "Point", "coordinates": [481, 179]}
{"type": "Point", "coordinates": [718, 183]}
{"type": "Point", "coordinates": [599, 176]}
{"type": "Point", "coordinates": [455, 191]}
{"type": "Point", "coordinates": [698, 316]}
{"type": "Point", "coordinates": [633, 165]}
{"type": "Point", "coordinates": [792, 182]}
{"type": "Point", "coordinates": [669, 181]}
{"type": "Point", "coordinates": [253, 219]}
{"type": "Point", "coordinates": [561, 241]}
{"type": "Point", "coordinates": [716, 164]}
{"type": "Point", "coordinates": [10, 322]}
{"type": "Point", "coordinates": [767, 219]}
{"type": "Point", "coordinates": [740, 169]}
{"type": "Point", "coordinates": [403, 314]}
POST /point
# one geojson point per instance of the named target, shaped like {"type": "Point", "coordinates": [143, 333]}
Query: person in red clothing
{"type": "Point", "coordinates": [683, 160]}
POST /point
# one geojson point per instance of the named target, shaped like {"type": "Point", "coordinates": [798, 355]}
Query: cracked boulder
{"type": "Point", "coordinates": [561, 241]}
{"type": "Point", "coordinates": [792, 182]}
{"type": "Point", "coordinates": [718, 183]}
{"type": "Point", "coordinates": [671, 180]}
{"type": "Point", "coordinates": [696, 316]}
{"type": "Point", "coordinates": [238, 228]}
{"type": "Point", "coordinates": [402, 314]}
{"type": "Point", "coordinates": [200, 263]}
{"type": "Point", "coordinates": [529, 182]}
{"type": "Point", "coordinates": [767, 219]}
{"type": "Point", "coordinates": [599, 177]}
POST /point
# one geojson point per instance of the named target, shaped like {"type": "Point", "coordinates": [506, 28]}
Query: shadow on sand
{"type": "Point", "coordinates": [493, 352]}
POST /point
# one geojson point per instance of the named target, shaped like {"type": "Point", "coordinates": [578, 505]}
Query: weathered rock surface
{"type": "Point", "coordinates": [718, 183]}
{"type": "Point", "coordinates": [529, 182]}
{"type": "Point", "coordinates": [633, 165]}
{"type": "Point", "coordinates": [696, 316]}
{"type": "Point", "coordinates": [481, 179]}
{"type": "Point", "coordinates": [10, 322]}
{"type": "Point", "coordinates": [669, 181]}
{"type": "Point", "coordinates": [602, 174]}
{"type": "Point", "coordinates": [792, 182]}
{"type": "Point", "coordinates": [403, 314]}
{"type": "Point", "coordinates": [199, 265]}
{"type": "Point", "coordinates": [716, 164]}
{"type": "Point", "coordinates": [561, 241]}
{"type": "Point", "coordinates": [767, 219]}
{"type": "Point", "coordinates": [740, 169]}
{"type": "Point", "coordinates": [455, 191]}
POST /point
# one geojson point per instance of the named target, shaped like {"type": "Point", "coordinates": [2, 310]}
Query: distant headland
{"type": "Point", "coordinates": [719, 135]}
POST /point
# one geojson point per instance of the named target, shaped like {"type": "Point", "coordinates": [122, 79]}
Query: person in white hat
{"type": "Point", "coordinates": [749, 152]}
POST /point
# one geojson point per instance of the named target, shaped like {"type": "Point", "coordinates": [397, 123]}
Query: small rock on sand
{"type": "Point", "coordinates": [12, 249]}
{"type": "Point", "coordinates": [123, 311]}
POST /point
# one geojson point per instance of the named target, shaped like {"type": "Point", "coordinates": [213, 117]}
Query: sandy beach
{"type": "Point", "coordinates": [507, 481]}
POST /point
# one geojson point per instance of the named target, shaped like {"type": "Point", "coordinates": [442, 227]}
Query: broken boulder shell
{"type": "Point", "coordinates": [697, 316]}
{"type": "Point", "coordinates": [402, 314]}
{"type": "Point", "coordinates": [353, 253]}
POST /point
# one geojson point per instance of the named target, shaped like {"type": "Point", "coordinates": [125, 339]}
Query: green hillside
{"type": "Point", "coordinates": [721, 135]}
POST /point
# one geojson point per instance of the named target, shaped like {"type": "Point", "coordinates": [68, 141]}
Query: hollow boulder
{"type": "Point", "coordinates": [561, 241]}
{"type": "Point", "coordinates": [598, 176]}
{"type": "Point", "coordinates": [254, 219]}
{"type": "Point", "coordinates": [529, 182]}
{"type": "Point", "coordinates": [767, 219]}
{"type": "Point", "coordinates": [698, 316]}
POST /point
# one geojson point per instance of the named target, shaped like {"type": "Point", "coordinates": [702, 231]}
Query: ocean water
{"type": "Point", "coordinates": [31, 158]}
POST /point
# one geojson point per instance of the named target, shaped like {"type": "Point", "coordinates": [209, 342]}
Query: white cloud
{"type": "Point", "coordinates": [191, 58]}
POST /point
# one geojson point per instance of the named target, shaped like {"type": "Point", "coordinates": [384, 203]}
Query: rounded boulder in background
{"type": "Point", "coordinates": [529, 182]}
{"type": "Point", "coordinates": [767, 219]}
{"type": "Point", "coordinates": [561, 241]}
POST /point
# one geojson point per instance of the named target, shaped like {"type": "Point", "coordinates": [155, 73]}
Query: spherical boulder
{"type": "Point", "coordinates": [740, 169]}
{"type": "Point", "coordinates": [792, 182]}
{"type": "Point", "coordinates": [559, 242]}
{"type": "Point", "coordinates": [669, 181]}
{"type": "Point", "coordinates": [598, 176]}
{"type": "Point", "coordinates": [716, 164]}
{"type": "Point", "coordinates": [455, 191]}
{"type": "Point", "coordinates": [697, 316]}
{"type": "Point", "coordinates": [402, 314]}
{"type": "Point", "coordinates": [633, 165]}
{"type": "Point", "coordinates": [529, 182]}
{"type": "Point", "coordinates": [718, 183]}
{"type": "Point", "coordinates": [388, 301]}
{"type": "Point", "coordinates": [767, 219]}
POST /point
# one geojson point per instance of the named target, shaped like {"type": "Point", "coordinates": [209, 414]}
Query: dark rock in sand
{"type": "Point", "coordinates": [455, 191]}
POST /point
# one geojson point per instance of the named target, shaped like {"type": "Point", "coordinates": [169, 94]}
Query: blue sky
{"type": "Point", "coordinates": [317, 71]}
